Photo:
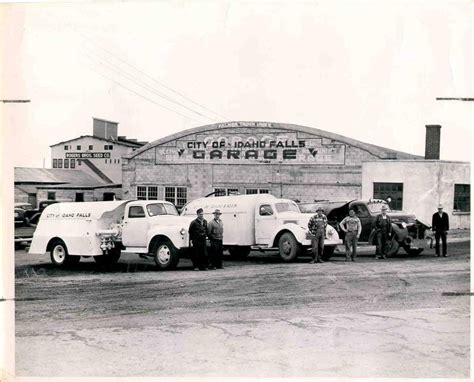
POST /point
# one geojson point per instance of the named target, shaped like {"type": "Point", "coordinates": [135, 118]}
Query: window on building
{"type": "Point", "coordinates": [108, 147]}
{"type": "Point", "coordinates": [78, 162]}
{"type": "Point", "coordinates": [141, 192]}
{"type": "Point", "coordinates": [462, 198]}
{"type": "Point", "coordinates": [66, 163]}
{"type": "Point", "coordinates": [51, 195]}
{"type": "Point", "coordinates": [254, 191]}
{"type": "Point", "coordinates": [220, 192]}
{"type": "Point", "coordinates": [149, 192]}
{"type": "Point", "coordinates": [176, 195]}
{"type": "Point", "coordinates": [66, 147]}
{"type": "Point", "coordinates": [91, 147]}
{"type": "Point", "coordinates": [73, 163]}
{"type": "Point", "coordinates": [78, 147]}
{"type": "Point", "coordinates": [390, 192]}
{"type": "Point", "coordinates": [79, 196]}
{"type": "Point", "coordinates": [60, 163]}
{"type": "Point", "coordinates": [152, 193]}
{"type": "Point", "coordinates": [55, 163]}
{"type": "Point", "coordinates": [118, 160]}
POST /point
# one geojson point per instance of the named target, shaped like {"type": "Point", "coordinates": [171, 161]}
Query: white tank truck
{"type": "Point", "coordinates": [262, 222]}
{"type": "Point", "coordinates": [104, 230]}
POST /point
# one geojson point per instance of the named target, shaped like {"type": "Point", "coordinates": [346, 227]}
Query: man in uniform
{"type": "Point", "coordinates": [383, 232]}
{"type": "Point", "coordinates": [317, 227]}
{"type": "Point", "coordinates": [198, 236]}
{"type": "Point", "coordinates": [215, 231]}
{"type": "Point", "coordinates": [440, 226]}
{"type": "Point", "coordinates": [352, 227]}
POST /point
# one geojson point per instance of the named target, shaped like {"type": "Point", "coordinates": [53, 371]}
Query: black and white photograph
{"type": "Point", "coordinates": [236, 189]}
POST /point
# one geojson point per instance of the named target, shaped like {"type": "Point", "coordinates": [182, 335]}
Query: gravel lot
{"type": "Point", "coordinates": [403, 317]}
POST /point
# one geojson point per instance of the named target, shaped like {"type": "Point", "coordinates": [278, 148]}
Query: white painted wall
{"type": "Point", "coordinates": [112, 167]}
{"type": "Point", "coordinates": [426, 183]}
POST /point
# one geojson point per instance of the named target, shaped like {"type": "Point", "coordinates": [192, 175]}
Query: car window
{"type": "Point", "coordinates": [156, 209]}
{"type": "Point", "coordinates": [265, 210]}
{"type": "Point", "coordinates": [360, 211]}
{"type": "Point", "coordinates": [136, 212]}
{"type": "Point", "coordinates": [285, 206]}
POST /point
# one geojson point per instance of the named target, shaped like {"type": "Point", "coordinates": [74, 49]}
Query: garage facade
{"type": "Point", "coordinates": [286, 160]}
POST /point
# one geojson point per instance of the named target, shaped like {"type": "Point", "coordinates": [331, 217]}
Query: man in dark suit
{"type": "Point", "coordinates": [198, 236]}
{"type": "Point", "coordinates": [440, 226]}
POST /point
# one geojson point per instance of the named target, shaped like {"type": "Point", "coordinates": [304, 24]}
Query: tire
{"type": "Point", "coordinates": [166, 255]}
{"type": "Point", "coordinates": [412, 251]}
{"type": "Point", "coordinates": [239, 253]}
{"type": "Point", "coordinates": [60, 256]}
{"type": "Point", "coordinates": [110, 258]}
{"type": "Point", "coordinates": [393, 248]}
{"type": "Point", "coordinates": [288, 247]}
{"type": "Point", "coordinates": [328, 252]}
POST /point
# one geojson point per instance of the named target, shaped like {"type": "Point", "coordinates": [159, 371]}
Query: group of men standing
{"type": "Point", "coordinates": [382, 226]}
{"type": "Point", "coordinates": [204, 235]}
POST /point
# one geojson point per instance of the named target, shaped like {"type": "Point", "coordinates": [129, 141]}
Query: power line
{"type": "Point", "coordinates": [145, 85]}
{"type": "Point", "coordinates": [15, 100]}
{"type": "Point", "coordinates": [85, 37]}
{"type": "Point", "coordinates": [145, 97]}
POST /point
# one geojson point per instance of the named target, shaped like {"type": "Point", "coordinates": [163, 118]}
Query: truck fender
{"type": "Point", "coordinates": [173, 233]}
{"type": "Point", "coordinates": [298, 232]}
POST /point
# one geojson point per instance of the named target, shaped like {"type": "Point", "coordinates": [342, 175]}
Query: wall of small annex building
{"type": "Point", "coordinates": [106, 160]}
{"type": "Point", "coordinates": [426, 184]}
{"type": "Point", "coordinates": [289, 162]}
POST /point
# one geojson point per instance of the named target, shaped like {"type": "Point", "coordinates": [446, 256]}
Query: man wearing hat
{"type": "Point", "coordinates": [383, 232]}
{"type": "Point", "coordinates": [440, 226]}
{"type": "Point", "coordinates": [317, 227]}
{"type": "Point", "coordinates": [198, 236]}
{"type": "Point", "coordinates": [215, 231]}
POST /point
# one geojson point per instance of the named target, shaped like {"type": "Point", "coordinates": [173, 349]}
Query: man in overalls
{"type": "Point", "coordinates": [317, 227]}
{"type": "Point", "coordinates": [383, 231]}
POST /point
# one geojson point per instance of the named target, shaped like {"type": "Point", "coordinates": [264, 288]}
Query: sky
{"type": "Point", "coordinates": [368, 70]}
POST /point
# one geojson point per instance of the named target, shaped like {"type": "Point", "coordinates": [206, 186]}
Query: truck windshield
{"type": "Point", "coordinates": [285, 207]}
{"type": "Point", "coordinates": [161, 209]}
{"type": "Point", "coordinates": [376, 208]}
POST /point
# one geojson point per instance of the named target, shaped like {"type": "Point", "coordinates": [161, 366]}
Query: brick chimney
{"type": "Point", "coordinates": [433, 140]}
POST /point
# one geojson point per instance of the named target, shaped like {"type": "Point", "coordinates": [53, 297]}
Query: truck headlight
{"type": "Point", "coordinates": [404, 225]}
{"type": "Point", "coordinates": [182, 231]}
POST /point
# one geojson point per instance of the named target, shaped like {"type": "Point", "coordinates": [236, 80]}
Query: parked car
{"type": "Point", "coordinates": [21, 210]}
{"type": "Point", "coordinates": [408, 231]}
{"type": "Point", "coordinates": [33, 215]}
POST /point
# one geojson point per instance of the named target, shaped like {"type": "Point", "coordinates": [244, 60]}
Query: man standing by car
{"type": "Point", "coordinates": [383, 232]}
{"type": "Point", "coordinates": [440, 226]}
{"type": "Point", "coordinates": [198, 236]}
{"type": "Point", "coordinates": [352, 227]}
{"type": "Point", "coordinates": [215, 231]}
{"type": "Point", "coordinates": [317, 227]}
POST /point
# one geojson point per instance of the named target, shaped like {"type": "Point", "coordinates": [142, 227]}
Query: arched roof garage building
{"type": "Point", "coordinates": [286, 160]}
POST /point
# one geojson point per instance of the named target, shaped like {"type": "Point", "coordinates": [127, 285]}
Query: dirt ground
{"type": "Point", "coordinates": [401, 317]}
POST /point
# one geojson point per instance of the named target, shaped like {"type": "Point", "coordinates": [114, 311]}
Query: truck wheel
{"type": "Point", "coordinates": [239, 253]}
{"type": "Point", "coordinates": [412, 251]}
{"type": "Point", "coordinates": [328, 252]}
{"type": "Point", "coordinates": [60, 256]}
{"type": "Point", "coordinates": [165, 255]}
{"type": "Point", "coordinates": [110, 258]}
{"type": "Point", "coordinates": [288, 247]}
{"type": "Point", "coordinates": [393, 247]}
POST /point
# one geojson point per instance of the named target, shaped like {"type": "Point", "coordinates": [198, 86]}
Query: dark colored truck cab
{"type": "Point", "coordinates": [405, 227]}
